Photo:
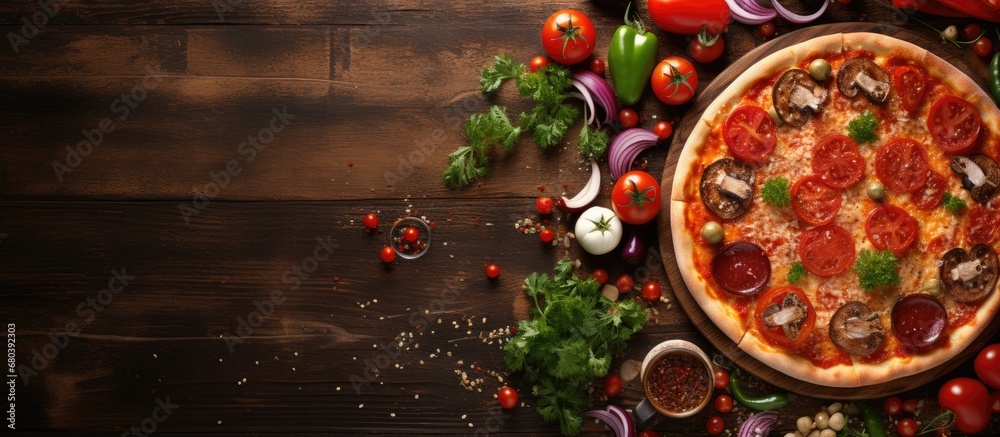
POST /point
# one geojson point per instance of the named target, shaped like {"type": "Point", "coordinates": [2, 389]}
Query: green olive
{"type": "Point", "coordinates": [774, 116]}
{"type": "Point", "coordinates": [876, 191]}
{"type": "Point", "coordinates": [819, 69]}
{"type": "Point", "coordinates": [712, 232]}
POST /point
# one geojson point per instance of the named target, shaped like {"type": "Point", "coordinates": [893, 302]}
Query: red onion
{"type": "Point", "coordinates": [626, 419]}
{"type": "Point", "coordinates": [584, 95]}
{"type": "Point", "coordinates": [796, 18]}
{"type": "Point", "coordinates": [599, 90]}
{"type": "Point", "coordinates": [626, 146]}
{"type": "Point", "coordinates": [634, 250]}
{"type": "Point", "coordinates": [758, 425]}
{"type": "Point", "coordinates": [586, 195]}
{"type": "Point", "coordinates": [616, 418]}
{"type": "Point", "coordinates": [749, 12]}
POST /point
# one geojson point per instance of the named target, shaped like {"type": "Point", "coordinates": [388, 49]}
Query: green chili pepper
{"type": "Point", "coordinates": [760, 403]}
{"type": "Point", "coordinates": [995, 77]}
{"type": "Point", "coordinates": [873, 422]}
{"type": "Point", "coordinates": [631, 59]}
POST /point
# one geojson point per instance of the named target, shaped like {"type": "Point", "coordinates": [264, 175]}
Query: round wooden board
{"type": "Point", "coordinates": [691, 307]}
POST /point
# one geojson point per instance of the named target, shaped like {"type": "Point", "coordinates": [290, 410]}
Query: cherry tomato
{"type": "Point", "coordinates": [954, 124]}
{"type": "Point", "coordinates": [893, 405]}
{"type": "Point", "coordinates": [544, 205]}
{"type": "Point", "coordinates": [411, 234]}
{"type": "Point", "coordinates": [910, 405]}
{"type": "Point", "coordinates": [891, 227]}
{"type": "Point", "coordinates": [663, 130]}
{"type": "Point", "coordinates": [674, 80]}
{"type": "Point", "coordinates": [983, 47]}
{"type": "Point", "coordinates": [600, 275]}
{"type": "Point", "coordinates": [706, 53]}
{"type": "Point", "coordinates": [826, 250]}
{"type": "Point", "coordinates": [612, 385]}
{"type": "Point", "coordinates": [969, 400]}
{"type": "Point", "coordinates": [649, 433]}
{"type": "Point", "coordinates": [371, 221]}
{"type": "Point", "coordinates": [814, 202]}
{"type": "Point", "coordinates": [995, 402]}
{"type": "Point", "coordinates": [635, 197]}
{"type": "Point", "coordinates": [778, 334]}
{"type": "Point", "coordinates": [546, 235]}
{"type": "Point", "coordinates": [597, 66]}
{"type": "Point", "coordinates": [568, 37]}
{"type": "Point", "coordinates": [507, 397]}
{"type": "Point", "coordinates": [538, 63]}
{"type": "Point", "coordinates": [971, 31]}
{"type": "Point", "coordinates": [724, 404]}
{"type": "Point", "coordinates": [625, 284]}
{"type": "Point", "coordinates": [906, 427]}
{"type": "Point", "coordinates": [838, 161]}
{"type": "Point", "coordinates": [715, 425]}
{"type": "Point", "coordinates": [721, 378]}
{"type": "Point", "coordinates": [492, 271]}
{"type": "Point", "coordinates": [902, 165]}
{"type": "Point", "coordinates": [688, 17]}
{"type": "Point", "coordinates": [750, 134]}
{"type": "Point", "coordinates": [929, 197]}
{"type": "Point", "coordinates": [628, 117]}
{"type": "Point", "coordinates": [387, 254]}
{"type": "Point", "coordinates": [766, 30]}
{"type": "Point", "coordinates": [651, 291]}
{"type": "Point", "coordinates": [987, 365]}
{"type": "Point", "coordinates": [909, 81]}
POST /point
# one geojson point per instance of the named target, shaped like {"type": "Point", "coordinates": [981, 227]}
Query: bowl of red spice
{"type": "Point", "coordinates": [678, 379]}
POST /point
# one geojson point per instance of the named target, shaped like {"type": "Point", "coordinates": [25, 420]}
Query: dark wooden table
{"type": "Point", "coordinates": [182, 186]}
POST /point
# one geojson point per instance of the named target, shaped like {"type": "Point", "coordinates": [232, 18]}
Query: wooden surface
{"type": "Point", "coordinates": [379, 91]}
{"type": "Point", "coordinates": [698, 317]}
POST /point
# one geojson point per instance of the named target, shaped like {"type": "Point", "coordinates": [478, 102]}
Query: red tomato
{"type": "Point", "coordinates": [826, 250]}
{"type": "Point", "coordinates": [893, 405]}
{"type": "Point", "coordinates": [890, 227]}
{"type": "Point", "coordinates": [766, 30]}
{"type": "Point", "coordinates": [910, 405]}
{"type": "Point", "coordinates": [775, 296]}
{"type": "Point", "coordinates": [411, 234]}
{"type": "Point", "coordinates": [651, 291]}
{"type": "Point", "coordinates": [987, 365]}
{"type": "Point", "coordinates": [970, 402]}
{"type": "Point", "coordinates": [688, 17]}
{"type": "Point", "coordinates": [600, 275]}
{"type": "Point", "coordinates": [902, 165]}
{"type": "Point", "coordinates": [628, 117]}
{"type": "Point", "coordinates": [838, 161]}
{"type": "Point", "coordinates": [546, 235]}
{"type": "Point", "coordinates": [387, 254]}
{"type": "Point", "coordinates": [909, 82]}
{"type": "Point", "coordinates": [750, 134]}
{"type": "Point", "coordinates": [674, 80]}
{"type": "Point", "coordinates": [954, 124]}
{"type": "Point", "coordinates": [492, 271]}
{"type": "Point", "coordinates": [543, 205]}
{"type": "Point", "coordinates": [625, 284]}
{"type": "Point", "coordinates": [706, 53]}
{"type": "Point", "coordinates": [538, 63]}
{"type": "Point", "coordinates": [612, 385]}
{"type": "Point", "coordinates": [663, 130]}
{"type": "Point", "coordinates": [724, 403]}
{"type": "Point", "coordinates": [371, 221]}
{"type": "Point", "coordinates": [568, 37]}
{"type": "Point", "coordinates": [721, 378]}
{"type": "Point", "coordinates": [929, 197]}
{"type": "Point", "coordinates": [715, 425]}
{"type": "Point", "coordinates": [906, 427]}
{"type": "Point", "coordinates": [507, 397]}
{"type": "Point", "coordinates": [982, 47]}
{"type": "Point", "coordinates": [971, 31]}
{"type": "Point", "coordinates": [597, 66]}
{"type": "Point", "coordinates": [814, 202]}
{"type": "Point", "coordinates": [636, 197]}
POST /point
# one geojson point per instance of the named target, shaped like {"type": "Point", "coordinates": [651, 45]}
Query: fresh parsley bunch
{"type": "Point", "coordinates": [568, 342]}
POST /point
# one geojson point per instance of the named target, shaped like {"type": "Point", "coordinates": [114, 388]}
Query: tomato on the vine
{"type": "Point", "coordinates": [721, 378]}
{"type": "Point", "coordinates": [715, 425]}
{"type": "Point", "coordinates": [371, 221]}
{"type": "Point", "coordinates": [387, 254]}
{"type": "Point", "coordinates": [507, 397]}
{"type": "Point", "coordinates": [906, 427]}
{"type": "Point", "coordinates": [982, 47]}
{"type": "Point", "coordinates": [568, 37]}
{"type": "Point", "coordinates": [625, 283]}
{"type": "Point", "coordinates": [538, 63]}
{"type": "Point", "coordinates": [706, 50]}
{"type": "Point", "coordinates": [636, 197]}
{"type": "Point", "coordinates": [597, 66]}
{"type": "Point", "coordinates": [543, 205]}
{"type": "Point", "coordinates": [724, 403]}
{"type": "Point", "coordinates": [600, 275]}
{"type": "Point", "coordinates": [987, 365]}
{"type": "Point", "coordinates": [492, 271]}
{"type": "Point", "coordinates": [628, 117]}
{"type": "Point", "coordinates": [663, 130]}
{"type": "Point", "coordinates": [546, 235]}
{"type": "Point", "coordinates": [651, 291]}
{"type": "Point", "coordinates": [674, 80]}
{"type": "Point", "coordinates": [612, 385]}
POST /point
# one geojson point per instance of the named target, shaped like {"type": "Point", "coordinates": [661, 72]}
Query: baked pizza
{"type": "Point", "coordinates": [834, 210]}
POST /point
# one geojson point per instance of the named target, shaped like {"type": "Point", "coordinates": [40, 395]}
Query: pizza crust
{"type": "Point", "coordinates": [838, 375]}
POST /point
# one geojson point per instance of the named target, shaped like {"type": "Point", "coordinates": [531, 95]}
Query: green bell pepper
{"type": "Point", "coordinates": [631, 59]}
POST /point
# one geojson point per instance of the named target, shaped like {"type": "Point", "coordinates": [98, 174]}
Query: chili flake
{"type": "Point", "coordinates": [677, 382]}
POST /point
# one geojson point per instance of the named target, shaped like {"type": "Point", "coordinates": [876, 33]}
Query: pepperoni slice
{"type": "Point", "coordinates": [890, 227]}
{"type": "Point", "coordinates": [814, 202]}
{"type": "Point", "coordinates": [741, 268]}
{"type": "Point", "coordinates": [954, 124]}
{"type": "Point", "coordinates": [902, 165]}
{"type": "Point", "coordinates": [750, 134]}
{"type": "Point", "coordinates": [909, 83]}
{"type": "Point", "coordinates": [984, 224]}
{"type": "Point", "coordinates": [826, 250]}
{"type": "Point", "coordinates": [929, 196]}
{"type": "Point", "coordinates": [918, 320]}
{"type": "Point", "coordinates": [838, 161]}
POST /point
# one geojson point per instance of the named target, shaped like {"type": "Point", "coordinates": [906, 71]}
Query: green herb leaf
{"type": "Point", "coordinates": [796, 273]}
{"type": "Point", "coordinates": [862, 129]}
{"type": "Point", "coordinates": [776, 192]}
{"type": "Point", "coordinates": [876, 268]}
{"type": "Point", "coordinates": [953, 204]}
{"type": "Point", "coordinates": [504, 67]}
{"type": "Point", "coordinates": [593, 143]}
{"type": "Point", "coordinates": [471, 162]}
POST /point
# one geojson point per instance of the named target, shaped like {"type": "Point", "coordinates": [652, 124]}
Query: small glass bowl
{"type": "Point", "coordinates": [407, 249]}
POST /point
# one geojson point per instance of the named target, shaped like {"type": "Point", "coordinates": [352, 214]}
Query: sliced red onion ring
{"type": "Point", "coordinates": [626, 146]}
{"type": "Point", "coordinates": [584, 95]}
{"type": "Point", "coordinates": [796, 18]}
{"type": "Point", "coordinates": [620, 423]}
{"type": "Point", "coordinates": [758, 425]}
{"type": "Point", "coordinates": [600, 91]}
{"type": "Point", "coordinates": [749, 14]}
{"type": "Point", "coordinates": [626, 419]}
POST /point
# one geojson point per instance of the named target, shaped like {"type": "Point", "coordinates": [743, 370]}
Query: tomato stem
{"type": "Point", "coordinates": [677, 79]}
{"type": "Point", "coordinates": [705, 40]}
{"type": "Point", "coordinates": [570, 33]}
